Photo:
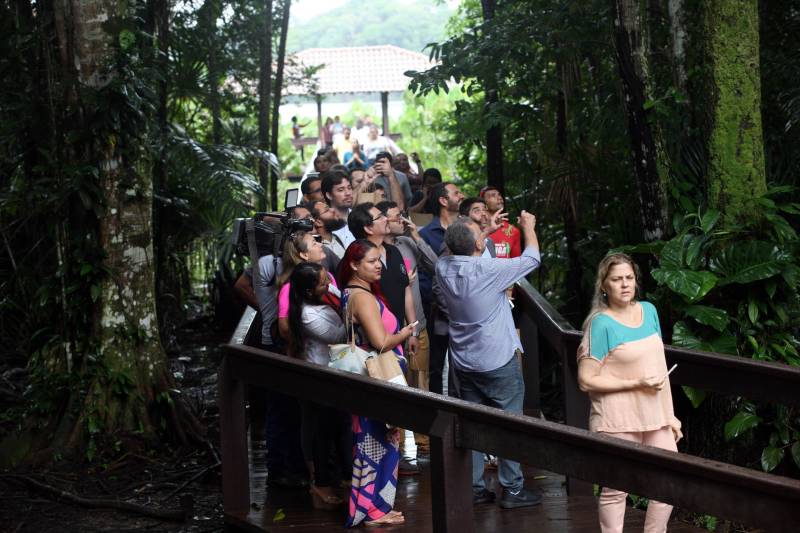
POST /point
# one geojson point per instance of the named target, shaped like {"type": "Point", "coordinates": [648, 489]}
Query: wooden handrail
{"type": "Point", "coordinates": [727, 374]}
{"type": "Point", "coordinates": [772, 502]}
{"type": "Point", "coordinates": [455, 427]}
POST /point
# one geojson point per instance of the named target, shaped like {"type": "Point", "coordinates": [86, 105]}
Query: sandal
{"type": "Point", "coordinates": [323, 502]}
{"type": "Point", "coordinates": [391, 518]}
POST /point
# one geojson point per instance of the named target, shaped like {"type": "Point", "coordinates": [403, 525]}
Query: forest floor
{"type": "Point", "coordinates": [165, 479]}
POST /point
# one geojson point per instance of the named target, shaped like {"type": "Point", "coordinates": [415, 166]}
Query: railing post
{"type": "Point", "coordinates": [451, 478]}
{"type": "Point", "coordinates": [576, 406]}
{"type": "Point", "coordinates": [529, 335]}
{"type": "Point", "coordinates": [233, 434]}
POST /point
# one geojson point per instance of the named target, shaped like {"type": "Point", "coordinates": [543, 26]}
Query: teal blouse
{"type": "Point", "coordinates": [607, 333]}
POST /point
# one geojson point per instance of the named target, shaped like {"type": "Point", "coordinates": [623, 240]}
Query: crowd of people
{"type": "Point", "coordinates": [440, 298]}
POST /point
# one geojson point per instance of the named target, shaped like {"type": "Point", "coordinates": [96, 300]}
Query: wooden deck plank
{"type": "Point", "coordinates": [557, 514]}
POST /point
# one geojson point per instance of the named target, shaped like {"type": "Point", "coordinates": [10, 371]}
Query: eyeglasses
{"type": "Point", "coordinates": [380, 216]}
{"type": "Point", "coordinates": [315, 191]}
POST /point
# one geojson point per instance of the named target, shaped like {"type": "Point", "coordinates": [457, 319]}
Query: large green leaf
{"type": "Point", "coordinates": [771, 457]}
{"type": "Point", "coordinates": [709, 316]}
{"type": "Point", "coordinates": [744, 262]}
{"type": "Point", "coordinates": [709, 220]}
{"type": "Point", "coordinates": [672, 253]}
{"type": "Point", "coordinates": [740, 423]}
{"type": "Point", "coordinates": [684, 337]}
{"type": "Point", "coordinates": [696, 396]}
{"type": "Point", "coordinates": [694, 252]}
{"type": "Point", "coordinates": [796, 453]}
{"type": "Point", "coordinates": [690, 284]}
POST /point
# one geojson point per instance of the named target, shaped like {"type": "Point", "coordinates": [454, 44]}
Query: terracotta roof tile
{"type": "Point", "coordinates": [361, 68]}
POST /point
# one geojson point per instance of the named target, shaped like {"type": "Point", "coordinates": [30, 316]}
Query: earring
{"type": "Point", "coordinates": [605, 295]}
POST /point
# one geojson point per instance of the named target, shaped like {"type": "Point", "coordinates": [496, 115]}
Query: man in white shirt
{"type": "Point", "coordinates": [339, 194]}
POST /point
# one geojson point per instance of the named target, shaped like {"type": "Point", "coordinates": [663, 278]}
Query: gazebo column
{"type": "Point", "coordinates": [385, 111]}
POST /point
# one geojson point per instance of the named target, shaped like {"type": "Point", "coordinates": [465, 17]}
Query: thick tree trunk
{"type": "Point", "coordinates": [736, 171]}
{"type": "Point", "coordinates": [264, 93]}
{"type": "Point", "coordinates": [678, 38]}
{"type": "Point", "coordinates": [208, 15]}
{"type": "Point", "coordinates": [276, 100]}
{"type": "Point", "coordinates": [125, 325]}
{"type": "Point", "coordinates": [630, 40]}
{"type": "Point", "coordinates": [494, 134]}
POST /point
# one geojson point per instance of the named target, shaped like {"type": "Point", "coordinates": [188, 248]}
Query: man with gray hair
{"type": "Point", "coordinates": [483, 339]}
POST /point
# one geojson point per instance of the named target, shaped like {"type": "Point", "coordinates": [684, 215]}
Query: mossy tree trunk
{"type": "Point", "coordinates": [736, 172]}
{"type": "Point", "coordinates": [123, 368]}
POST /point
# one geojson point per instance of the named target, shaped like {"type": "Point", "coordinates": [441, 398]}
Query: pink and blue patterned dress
{"type": "Point", "coordinates": [376, 454]}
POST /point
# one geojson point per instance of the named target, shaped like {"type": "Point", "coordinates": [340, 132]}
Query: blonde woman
{"type": "Point", "coordinates": [621, 365]}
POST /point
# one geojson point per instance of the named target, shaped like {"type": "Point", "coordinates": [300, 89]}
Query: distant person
{"type": "Point", "coordinates": [325, 134]}
{"type": "Point", "coordinates": [355, 158]}
{"type": "Point", "coordinates": [297, 129]}
{"type": "Point", "coordinates": [621, 365]}
{"type": "Point", "coordinates": [419, 200]}
{"type": "Point", "coordinates": [311, 187]}
{"type": "Point", "coordinates": [322, 163]}
{"type": "Point", "coordinates": [337, 127]}
{"type": "Point", "coordinates": [343, 144]}
{"type": "Point", "coordinates": [394, 182]}
{"type": "Point", "coordinates": [474, 209]}
{"type": "Point", "coordinates": [326, 223]}
{"type": "Point", "coordinates": [507, 238]}
{"type": "Point", "coordinates": [376, 144]}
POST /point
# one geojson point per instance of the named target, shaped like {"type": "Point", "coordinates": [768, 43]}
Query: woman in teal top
{"type": "Point", "coordinates": [621, 365]}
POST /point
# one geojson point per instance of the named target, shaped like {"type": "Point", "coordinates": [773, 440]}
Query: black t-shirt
{"type": "Point", "coordinates": [394, 280]}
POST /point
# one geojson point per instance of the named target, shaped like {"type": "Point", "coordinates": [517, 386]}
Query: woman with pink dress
{"type": "Point", "coordinates": [376, 448]}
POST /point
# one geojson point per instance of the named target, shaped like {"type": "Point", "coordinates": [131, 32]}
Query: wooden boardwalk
{"type": "Point", "coordinates": [291, 509]}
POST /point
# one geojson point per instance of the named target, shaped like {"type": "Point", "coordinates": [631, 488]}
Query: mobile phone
{"type": "Point", "coordinates": [292, 197]}
{"type": "Point", "coordinates": [671, 369]}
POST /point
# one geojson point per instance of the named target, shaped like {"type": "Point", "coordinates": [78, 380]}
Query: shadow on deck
{"type": "Point", "coordinates": [279, 509]}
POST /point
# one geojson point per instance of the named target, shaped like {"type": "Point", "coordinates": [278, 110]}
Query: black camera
{"type": "Point", "coordinates": [267, 232]}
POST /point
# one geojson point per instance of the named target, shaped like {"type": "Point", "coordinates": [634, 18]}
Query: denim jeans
{"type": "Point", "coordinates": [504, 389]}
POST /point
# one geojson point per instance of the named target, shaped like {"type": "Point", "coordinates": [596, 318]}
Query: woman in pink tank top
{"type": "Point", "coordinates": [376, 456]}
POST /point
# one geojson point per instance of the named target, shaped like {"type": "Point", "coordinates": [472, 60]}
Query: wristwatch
{"type": "Point", "coordinates": [415, 334]}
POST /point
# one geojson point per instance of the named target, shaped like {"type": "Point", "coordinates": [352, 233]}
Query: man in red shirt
{"type": "Point", "coordinates": [507, 239]}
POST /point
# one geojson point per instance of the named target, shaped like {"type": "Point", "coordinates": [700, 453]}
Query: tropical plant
{"type": "Point", "coordinates": [734, 290]}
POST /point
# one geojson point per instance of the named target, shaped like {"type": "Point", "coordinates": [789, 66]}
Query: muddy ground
{"type": "Point", "coordinates": [162, 479]}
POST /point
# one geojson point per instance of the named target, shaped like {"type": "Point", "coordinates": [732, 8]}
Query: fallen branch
{"type": "Point", "coordinates": [100, 503]}
{"type": "Point", "coordinates": [194, 477]}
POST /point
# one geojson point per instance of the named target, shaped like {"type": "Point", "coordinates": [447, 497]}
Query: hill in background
{"type": "Point", "coordinates": [407, 25]}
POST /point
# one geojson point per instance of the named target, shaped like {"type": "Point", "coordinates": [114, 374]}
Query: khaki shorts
{"type": "Point", "coordinates": [420, 361]}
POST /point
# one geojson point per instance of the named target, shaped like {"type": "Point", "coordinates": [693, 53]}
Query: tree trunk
{"type": "Point", "coordinates": [631, 49]}
{"type": "Point", "coordinates": [736, 171]}
{"type": "Point", "coordinates": [276, 105]}
{"type": "Point", "coordinates": [134, 370]}
{"type": "Point", "coordinates": [264, 93]}
{"type": "Point", "coordinates": [208, 16]}
{"type": "Point", "coordinates": [494, 134]}
{"type": "Point", "coordinates": [678, 36]}
{"type": "Point", "coordinates": [573, 308]}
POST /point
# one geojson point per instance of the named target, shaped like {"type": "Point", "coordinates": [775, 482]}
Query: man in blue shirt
{"type": "Point", "coordinates": [444, 200]}
{"type": "Point", "coordinates": [483, 339]}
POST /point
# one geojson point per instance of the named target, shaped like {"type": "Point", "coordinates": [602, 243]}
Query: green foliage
{"type": "Point", "coordinates": [734, 290]}
{"type": "Point", "coordinates": [409, 25]}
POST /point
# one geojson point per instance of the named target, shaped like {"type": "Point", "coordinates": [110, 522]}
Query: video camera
{"type": "Point", "coordinates": [266, 231]}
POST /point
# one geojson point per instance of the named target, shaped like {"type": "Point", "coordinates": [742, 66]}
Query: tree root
{"type": "Point", "coordinates": [102, 503]}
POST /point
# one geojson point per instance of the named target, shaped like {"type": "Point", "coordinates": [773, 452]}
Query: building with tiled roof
{"type": "Point", "coordinates": [360, 69]}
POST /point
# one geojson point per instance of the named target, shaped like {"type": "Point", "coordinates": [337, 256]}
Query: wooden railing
{"type": "Point", "coordinates": [455, 427]}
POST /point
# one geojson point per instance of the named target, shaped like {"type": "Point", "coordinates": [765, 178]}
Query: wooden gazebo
{"type": "Point", "coordinates": [359, 69]}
